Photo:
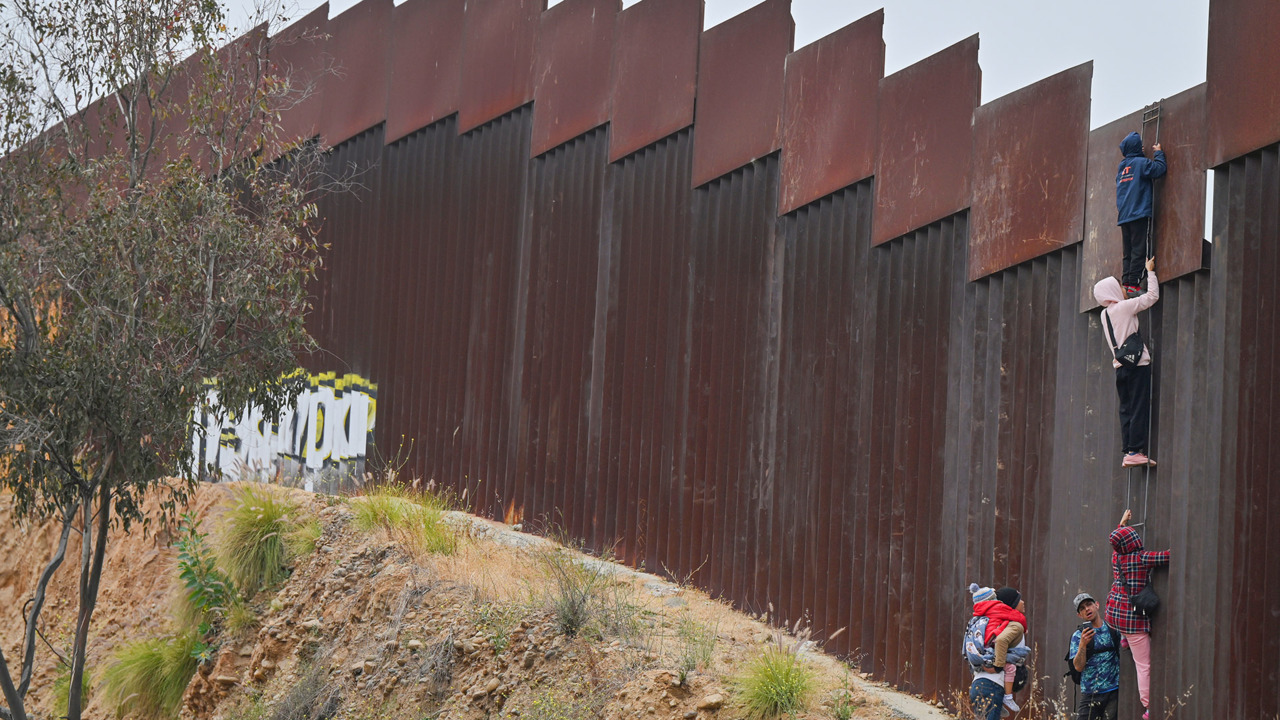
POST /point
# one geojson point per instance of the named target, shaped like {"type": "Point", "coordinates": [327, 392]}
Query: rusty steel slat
{"type": "Point", "coordinates": [830, 112]}
{"type": "Point", "coordinates": [425, 57]}
{"type": "Point", "coordinates": [1255, 446]}
{"type": "Point", "coordinates": [924, 157]}
{"type": "Point", "coordinates": [830, 106]}
{"type": "Point", "coordinates": [571, 71]}
{"type": "Point", "coordinates": [565, 215]}
{"type": "Point", "coordinates": [654, 77]}
{"type": "Point", "coordinates": [1180, 195]}
{"type": "Point", "coordinates": [355, 94]}
{"type": "Point", "coordinates": [498, 42]}
{"type": "Point", "coordinates": [1242, 73]}
{"type": "Point", "coordinates": [740, 77]}
{"type": "Point", "coordinates": [1030, 152]}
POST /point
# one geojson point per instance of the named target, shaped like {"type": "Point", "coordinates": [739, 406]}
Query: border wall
{"type": "Point", "coordinates": [820, 338]}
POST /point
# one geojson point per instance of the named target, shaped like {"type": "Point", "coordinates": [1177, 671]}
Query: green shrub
{"type": "Point", "coordinates": [256, 543]}
{"type": "Point", "coordinates": [777, 682]}
{"type": "Point", "coordinates": [147, 678]}
{"type": "Point", "coordinates": [415, 519]}
{"type": "Point", "coordinates": [60, 692]}
{"type": "Point", "coordinates": [207, 594]}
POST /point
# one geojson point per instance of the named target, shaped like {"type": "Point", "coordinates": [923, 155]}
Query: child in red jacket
{"type": "Point", "coordinates": [1006, 626]}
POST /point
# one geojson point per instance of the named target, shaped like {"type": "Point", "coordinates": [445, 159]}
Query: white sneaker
{"type": "Point", "coordinates": [1011, 704]}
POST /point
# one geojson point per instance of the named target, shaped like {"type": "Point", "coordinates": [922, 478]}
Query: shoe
{"type": "Point", "coordinates": [1011, 704]}
{"type": "Point", "coordinates": [1136, 460]}
{"type": "Point", "coordinates": [1124, 641]}
{"type": "Point", "coordinates": [1146, 715]}
{"type": "Point", "coordinates": [1132, 291]}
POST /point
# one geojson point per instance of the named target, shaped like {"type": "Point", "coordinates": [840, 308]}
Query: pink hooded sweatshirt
{"type": "Point", "coordinates": [1124, 313]}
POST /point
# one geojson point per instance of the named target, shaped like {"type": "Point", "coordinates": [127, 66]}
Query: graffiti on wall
{"type": "Point", "coordinates": [324, 436]}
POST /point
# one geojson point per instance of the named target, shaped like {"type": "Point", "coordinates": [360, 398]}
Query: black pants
{"type": "Point", "coordinates": [1133, 384]}
{"type": "Point", "coordinates": [1135, 251]}
{"type": "Point", "coordinates": [1102, 706]}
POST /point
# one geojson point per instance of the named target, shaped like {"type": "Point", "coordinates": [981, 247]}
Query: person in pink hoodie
{"type": "Point", "coordinates": [1133, 369]}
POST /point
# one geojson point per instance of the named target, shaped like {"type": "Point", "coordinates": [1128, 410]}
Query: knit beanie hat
{"type": "Point", "coordinates": [981, 593]}
{"type": "Point", "coordinates": [1009, 596]}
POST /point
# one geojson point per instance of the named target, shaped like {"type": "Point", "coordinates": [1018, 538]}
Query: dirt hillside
{"type": "Point", "coordinates": [364, 628]}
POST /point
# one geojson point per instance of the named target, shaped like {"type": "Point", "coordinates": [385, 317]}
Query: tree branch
{"type": "Point", "coordinates": [29, 658]}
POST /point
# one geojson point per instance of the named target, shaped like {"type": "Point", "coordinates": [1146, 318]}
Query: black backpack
{"type": "Point", "coordinates": [1128, 354]}
{"type": "Point", "coordinates": [1090, 650]}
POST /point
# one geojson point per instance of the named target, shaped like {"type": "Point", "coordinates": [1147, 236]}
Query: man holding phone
{"type": "Point", "coordinates": [1095, 656]}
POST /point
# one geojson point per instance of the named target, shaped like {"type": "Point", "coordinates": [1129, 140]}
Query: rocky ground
{"type": "Point", "coordinates": [364, 628]}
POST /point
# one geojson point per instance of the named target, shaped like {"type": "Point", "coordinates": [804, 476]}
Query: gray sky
{"type": "Point", "coordinates": [1137, 59]}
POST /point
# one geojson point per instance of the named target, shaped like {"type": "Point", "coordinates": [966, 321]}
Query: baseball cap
{"type": "Point", "coordinates": [1081, 598]}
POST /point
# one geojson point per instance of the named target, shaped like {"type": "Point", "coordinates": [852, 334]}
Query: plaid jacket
{"type": "Point", "coordinates": [1131, 568]}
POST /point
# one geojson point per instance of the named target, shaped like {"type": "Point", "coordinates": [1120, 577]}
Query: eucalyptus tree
{"type": "Point", "coordinates": [156, 231]}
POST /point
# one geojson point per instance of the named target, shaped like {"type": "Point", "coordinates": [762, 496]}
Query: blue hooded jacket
{"type": "Point", "coordinates": [1133, 179]}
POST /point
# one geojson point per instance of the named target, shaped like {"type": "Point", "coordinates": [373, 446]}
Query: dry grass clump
{"type": "Point", "coordinates": [414, 518]}
{"type": "Point", "coordinates": [776, 682]}
{"type": "Point", "coordinates": [697, 645]}
{"type": "Point", "coordinates": [146, 679]}
{"type": "Point", "coordinates": [582, 594]}
{"type": "Point", "coordinates": [263, 530]}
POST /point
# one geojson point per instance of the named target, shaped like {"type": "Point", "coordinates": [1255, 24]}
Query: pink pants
{"type": "Point", "coordinates": [1010, 670]}
{"type": "Point", "coordinates": [1140, 646]}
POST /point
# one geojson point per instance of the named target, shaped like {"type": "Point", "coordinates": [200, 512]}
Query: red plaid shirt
{"type": "Point", "coordinates": [1131, 568]}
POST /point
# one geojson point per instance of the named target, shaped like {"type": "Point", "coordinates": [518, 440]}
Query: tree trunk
{"type": "Point", "coordinates": [90, 578]}
{"type": "Point", "coordinates": [16, 710]}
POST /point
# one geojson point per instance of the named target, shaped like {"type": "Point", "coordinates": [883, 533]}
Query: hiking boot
{"type": "Point", "coordinates": [1136, 460]}
{"type": "Point", "coordinates": [1011, 704]}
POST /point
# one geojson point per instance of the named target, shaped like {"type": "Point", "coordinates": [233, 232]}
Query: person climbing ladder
{"type": "Point", "coordinates": [1135, 205]}
{"type": "Point", "coordinates": [1132, 360]}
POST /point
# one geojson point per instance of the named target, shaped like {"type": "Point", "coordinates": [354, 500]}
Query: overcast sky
{"type": "Point", "coordinates": [1137, 59]}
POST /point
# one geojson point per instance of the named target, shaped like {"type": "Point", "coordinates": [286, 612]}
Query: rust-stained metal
{"type": "Point", "coordinates": [925, 153]}
{"type": "Point", "coordinates": [829, 112]}
{"type": "Point", "coordinates": [1030, 151]}
{"type": "Point", "coordinates": [655, 65]}
{"type": "Point", "coordinates": [801, 419]}
{"type": "Point", "coordinates": [355, 94]}
{"type": "Point", "coordinates": [426, 54]}
{"type": "Point", "coordinates": [640, 492]}
{"type": "Point", "coordinates": [732, 378]}
{"type": "Point", "coordinates": [571, 71]}
{"type": "Point", "coordinates": [740, 74]}
{"type": "Point", "coordinates": [299, 53]}
{"type": "Point", "coordinates": [1245, 262]}
{"type": "Point", "coordinates": [1243, 74]}
{"type": "Point", "coordinates": [1180, 196]}
{"type": "Point", "coordinates": [565, 205]}
{"type": "Point", "coordinates": [498, 42]}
